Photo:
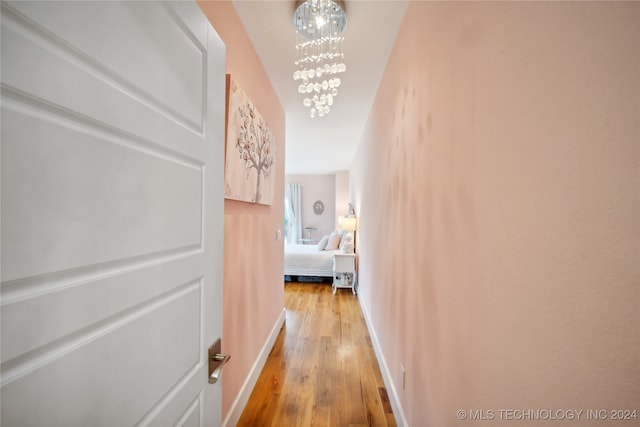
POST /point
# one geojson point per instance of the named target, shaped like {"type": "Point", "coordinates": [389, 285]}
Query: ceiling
{"type": "Point", "coordinates": [324, 145]}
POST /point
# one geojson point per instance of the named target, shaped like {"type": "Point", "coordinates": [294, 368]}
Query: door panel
{"type": "Point", "coordinates": [91, 191]}
{"type": "Point", "coordinates": [156, 35]}
{"type": "Point", "coordinates": [112, 213]}
{"type": "Point", "coordinates": [107, 364]}
{"type": "Point", "coordinates": [113, 60]}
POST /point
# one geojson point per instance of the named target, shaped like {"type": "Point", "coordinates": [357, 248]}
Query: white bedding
{"type": "Point", "coordinates": [307, 260]}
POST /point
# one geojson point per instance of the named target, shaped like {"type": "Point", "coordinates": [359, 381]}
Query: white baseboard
{"type": "Point", "coordinates": [398, 413]}
{"type": "Point", "coordinates": [245, 391]}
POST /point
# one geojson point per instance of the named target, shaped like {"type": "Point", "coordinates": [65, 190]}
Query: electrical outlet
{"type": "Point", "coordinates": [278, 234]}
{"type": "Point", "coordinates": [404, 377]}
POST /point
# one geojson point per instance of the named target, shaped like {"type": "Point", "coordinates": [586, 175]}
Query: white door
{"type": "Point", "coordinates": [112, 213]}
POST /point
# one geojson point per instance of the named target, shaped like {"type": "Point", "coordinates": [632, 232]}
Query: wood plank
{"type": "Point", "coordinates": [322, 370]}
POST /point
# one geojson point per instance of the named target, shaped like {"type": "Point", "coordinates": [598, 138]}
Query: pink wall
{"type": "Point", "coordinates": [254, 260]}
{"type": "Point", "coordinates": [498, 189]}
{"type": "Point", "coordinates": [316, 187]}
{"type": "Point", "coordinates": [343, 196]}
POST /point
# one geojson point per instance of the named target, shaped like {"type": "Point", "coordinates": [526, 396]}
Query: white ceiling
{"type": "Point", "coordinates": [323, 145]}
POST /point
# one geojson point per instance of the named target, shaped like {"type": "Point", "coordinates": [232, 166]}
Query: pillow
{"type": "Point", "coordinates": [347, 239]}
{"type": "Point", "coordinates": [323, 243]}
{"type": "Point", "coordinates": [334, 242]}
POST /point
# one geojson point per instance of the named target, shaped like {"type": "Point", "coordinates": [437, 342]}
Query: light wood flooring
{"type": "Point", "coordinates": [322, 370]}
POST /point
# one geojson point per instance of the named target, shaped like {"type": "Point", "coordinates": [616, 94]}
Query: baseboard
{"type": "Point", "coordinates": [398, 413]}
{"type": "Point", "coordinates": [245, 391]}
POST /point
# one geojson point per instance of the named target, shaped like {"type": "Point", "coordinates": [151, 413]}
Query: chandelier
{"type": "Point", "coordinates": [320, 52]}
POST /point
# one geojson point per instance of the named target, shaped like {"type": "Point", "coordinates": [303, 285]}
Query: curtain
{"type": "Point", "coordinates": [294, 211]}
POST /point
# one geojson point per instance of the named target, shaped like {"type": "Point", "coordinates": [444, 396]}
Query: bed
{"type": "Point", "coordinates": [307, 260]}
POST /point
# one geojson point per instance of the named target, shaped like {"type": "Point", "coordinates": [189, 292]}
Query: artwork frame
{"type": "Point", "coordinates": [249, 152]}
{"type": "Point", "coordinates": [318, 207]}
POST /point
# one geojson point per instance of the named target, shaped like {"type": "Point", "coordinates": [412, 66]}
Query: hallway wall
{"type": "Point", "coordinates": [254, 259]}
{"type": "Point", "coordinates": [497, 185]}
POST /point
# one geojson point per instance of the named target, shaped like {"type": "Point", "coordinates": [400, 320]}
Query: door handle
{"type": "Point", "coordinates": [216, 361]}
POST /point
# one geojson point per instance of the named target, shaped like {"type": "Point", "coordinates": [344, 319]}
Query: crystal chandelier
{"type": "Point", "coordinates": [320, 56]}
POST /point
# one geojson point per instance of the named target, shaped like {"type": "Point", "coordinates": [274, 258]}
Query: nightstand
{"type": "Point", "coordinates": [344, 272]}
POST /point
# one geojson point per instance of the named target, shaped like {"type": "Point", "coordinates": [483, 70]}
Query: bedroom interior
{"type": "Point", "coordinates": [308, 258]}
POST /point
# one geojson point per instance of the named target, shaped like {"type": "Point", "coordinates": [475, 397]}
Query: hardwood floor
{"type": "Point", "coordinates": [322, 370]}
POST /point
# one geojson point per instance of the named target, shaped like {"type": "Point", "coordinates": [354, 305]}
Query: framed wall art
{"type": "Point", "coordinates": [318, 207]}
{"type": "Point", "coordinates": [250, 151]}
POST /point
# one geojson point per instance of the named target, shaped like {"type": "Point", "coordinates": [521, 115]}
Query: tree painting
{"type": "Point", "coordinates": [250, 154]}
{"type": "Point", "coordinates": [254, 146]}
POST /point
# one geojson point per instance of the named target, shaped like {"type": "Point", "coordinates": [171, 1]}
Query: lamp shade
{"type": "Point", "coordinates": [349, 223]}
